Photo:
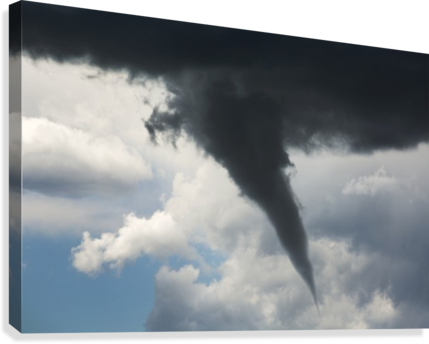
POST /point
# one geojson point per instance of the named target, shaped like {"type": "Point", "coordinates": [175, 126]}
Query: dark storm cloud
{"type": "Point", "coordinates": [376, 98]}
{"type": "Point", "coordinates": [15, 32]}
{"type": "Point", "coordinates": [244, 96]}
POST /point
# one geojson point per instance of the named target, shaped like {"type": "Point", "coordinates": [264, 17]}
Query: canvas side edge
{"type": "Point", "coordinates": [15, 165]}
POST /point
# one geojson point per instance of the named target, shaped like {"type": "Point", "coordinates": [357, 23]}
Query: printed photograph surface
{"type": "Point", "coordinates": [186, 177]}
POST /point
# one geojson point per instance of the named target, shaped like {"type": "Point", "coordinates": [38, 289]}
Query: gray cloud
{"type": "Point", "coordinates": [243, 97]}
{"type": "Point", "coordinates": [392, 225]}
{"type": "Point", "coordinates": [395, 229]}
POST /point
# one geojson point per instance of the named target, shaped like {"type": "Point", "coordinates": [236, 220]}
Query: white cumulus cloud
{"type": "Point", "coordinates": [158, 237]}
{"type": "Point", "coordinates": [206, 209]}
{"type": "Point", "coordinates": [61, 160]}
{"type": "Point", "coordinates": [262, 293]}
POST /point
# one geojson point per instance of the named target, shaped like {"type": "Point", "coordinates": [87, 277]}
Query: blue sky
{"type": "Point", "coordinates": [57, 298]}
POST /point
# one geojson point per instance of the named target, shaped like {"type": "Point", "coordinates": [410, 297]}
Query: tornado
{"type": "Point", "coordinates": [283, 212]}
{"type": "Point", "coordinates": [275, 197]}
{"type": "Point", "coordinates": [244, 133]}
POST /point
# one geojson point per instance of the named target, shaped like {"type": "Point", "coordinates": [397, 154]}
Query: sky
{"type": "Point", "coordinates": [149, 169]}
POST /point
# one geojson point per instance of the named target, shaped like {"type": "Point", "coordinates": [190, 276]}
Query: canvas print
{"type": "Point", "coordinates": [171, 176]}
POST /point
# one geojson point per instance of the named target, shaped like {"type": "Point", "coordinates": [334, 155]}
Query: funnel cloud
{"type": "Point", "coordinates": [244, 134]}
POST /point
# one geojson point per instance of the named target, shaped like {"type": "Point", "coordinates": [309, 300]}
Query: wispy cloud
{"type": "Point", "coordinates": [370, 185]}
